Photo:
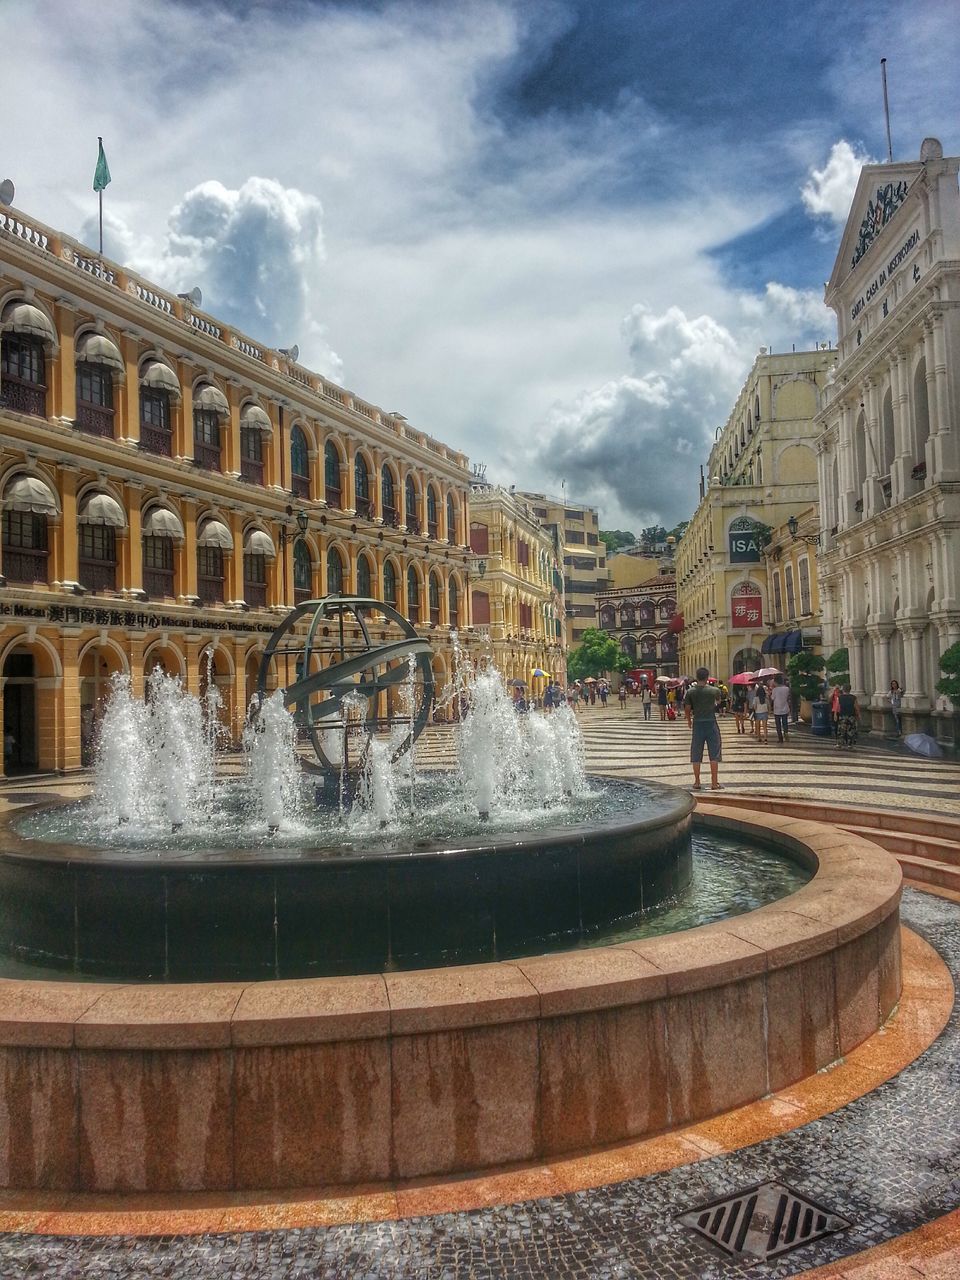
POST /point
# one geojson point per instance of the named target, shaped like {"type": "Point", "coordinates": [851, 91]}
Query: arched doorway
{"type": "Point", "coordinates": [21, 748]}
{"type": "Point", "coordinates": [98, 664]}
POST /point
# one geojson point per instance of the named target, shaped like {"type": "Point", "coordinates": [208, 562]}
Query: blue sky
{"type": "Point", "coordinates": [552, 233]}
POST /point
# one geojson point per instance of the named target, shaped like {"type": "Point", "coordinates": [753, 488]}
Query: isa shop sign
{"type": "Point", "coordinates": [744, 543]}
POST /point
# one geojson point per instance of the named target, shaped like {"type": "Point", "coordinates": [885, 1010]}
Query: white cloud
{"type": "Point", "coordinates": [828, 192]}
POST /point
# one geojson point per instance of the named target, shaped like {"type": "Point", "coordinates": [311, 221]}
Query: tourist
{"type": "Point", "coordinates": [700, 709]}
{"type": "Point", "coordinates": [780, 701]}
{"type": "Point", "coordinates": [622, 695]}
{"type": "Point", "coordinates": [593, 693]}
{"type": "Point", "coordinates": [835, 711]}
{"type": "Point", "coordinates": [603, 689]}
{"type": "Point", "coordinates": [752, 706]}
{"type": "Point", "coordinates": [662, 700]}
{"type": "Point", "coordinates": [647, 699]}
{"type": "Point", "coordinates": [896, 702]}
{"type": "Point", "coordinates": [848, 719]}
{"type": "Point", "coordinates": [740, 707]}
{"type": "Point", "coordinates": [761, 712]}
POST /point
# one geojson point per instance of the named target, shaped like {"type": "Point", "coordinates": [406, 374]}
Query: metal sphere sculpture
{"type": "Point", "coordinates": [337, 631]}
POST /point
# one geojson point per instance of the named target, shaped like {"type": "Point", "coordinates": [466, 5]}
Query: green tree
{"type": "Point", "coordinates": [678, 530]}
{"type": "Point", "coordinates": [598, 653]}
{"type": "Point", "coordinates": [838, 667]}
{"type": "Point", "coordinates": [950, 683]}
{"type": "Point", "coordinates": [803, 674]}
{"type": "Point", "coordinates": [651, 536]}
{"type": "Point", "coordinates": [614, 539]}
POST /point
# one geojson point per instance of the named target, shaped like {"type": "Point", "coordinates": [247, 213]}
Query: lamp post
{"type": "Point", "coordinates": [793, 524]}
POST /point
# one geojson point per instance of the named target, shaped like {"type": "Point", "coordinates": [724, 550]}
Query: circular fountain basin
{"type": "Point", "coordinates": [184, 908]}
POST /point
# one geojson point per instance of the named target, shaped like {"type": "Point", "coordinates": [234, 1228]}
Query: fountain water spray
{"type": "Point", "coordinates": [270, 741]}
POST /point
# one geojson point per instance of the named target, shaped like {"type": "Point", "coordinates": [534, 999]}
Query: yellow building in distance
{"type": "Point", "coordinates": [516, 600]}
{"type": "Point", "coordinates": [156, 469]}
{"type": "Point", "coordinates": [793, 588]}
{"type": "Point", "coordinates": [577, 532]}
{"type": "Point", "coordinates": [762, 469]}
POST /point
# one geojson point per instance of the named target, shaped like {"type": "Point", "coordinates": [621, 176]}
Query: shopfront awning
{"type": "Point", "coordinates": [258, 543]}
{"type": "Point", "coordinates": [30, 493]}
{"type": "Point", "coordinates": [783, 642]}
{"type": "Point", "coordinates": [24, 317]}
{"type": "Point", "coordinates": [215, 534]}
{"type": "Point", "coordinates": [253, 416]}
{"type": "Point", "coordinates": [212, 398]}
{"type": "Point", "coordinates": [161, 522]}
{"type": "Point", "coordinates": [100, 508]}
{"type": "Point", "coordinates": [160, 377]}
{"type": "Point", "coordinates": [97, 348]}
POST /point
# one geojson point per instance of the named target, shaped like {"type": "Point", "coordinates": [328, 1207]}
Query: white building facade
{"type": "Point", "coordinates": [889, 447]}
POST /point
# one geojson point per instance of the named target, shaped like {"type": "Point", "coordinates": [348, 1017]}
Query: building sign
{"type": "Point", "coordinates": [880, 280]}
{"type": "Point", "coordinates": [745, 541]}
{"type": "Point", "coordinates": [880, 210]}
{"type": "Point", "coordinates": [746, 609]}
{"type": "Point", "coordinates": [72, 615]}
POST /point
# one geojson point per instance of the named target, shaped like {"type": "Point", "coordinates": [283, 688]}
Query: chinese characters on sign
{"type": "Point", "coordinates": [747, 612]}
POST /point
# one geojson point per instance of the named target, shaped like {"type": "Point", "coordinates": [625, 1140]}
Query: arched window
{"type": "Point", "coordinates": [158, 389]}
{"type": "Point", "coordinates": [431, 511]}
{"type": "Point", "coordinates": [628, 615]}
{"type": "Point", "coordinates": [299, 463]}
{"type": "Point", "coordinates": [331, 474]}
{"type": "Point", "coordinates": [98, 518]}
{"type": "Point", "coordinates": [413, 596]}
{"type": "Point", "coordinates": [27, 503]}
{"type": "Point", "coordinates": [258, 549]}
{"type": "Point", "coordinates": [452, 520]}
{"type": "Point", "coordinates": [161, 530]}
{"type": "Point", "coordinates": [389, 583]}
{"type": "Point", "coordinates": [411, 517]}
{"type": "Point", "coordinates": [608, 618]}
{"type": "Point", "coordinates": [746, 660]}
{"type": "Point", "coordinates": [453, 598]}
{"type": "Point", "coordinates": [361, 478]}
{"type": "Point", "coordinates": [302, 572]}
{"type": "Point", "coordinates": [921, 413]}
{"type": "Point", "coordinates": [668, 648]}
{"type": "Point", "coordinates": [334, 572]}
{"type": "Point", "coordinates": [98, 360]}
{"type": "Point", "coordinates": [628, 645]}
{"type": "Point", "coordinates": [433, 589]}
{"type": "Point", "coordinates": [388, 498]}
{"type": "Point", "coordinates": [364, 586]}
{"type": "Point", "coordinates": [213, 540]}
{"type": "Point", "coordinates": [26, 331]}
{"type": "Point", "coordinates": [210, 410]}
{"type": "Point", "coordinates": [648, 648]}
{"type": "Point", "coordinates": [667, 609]}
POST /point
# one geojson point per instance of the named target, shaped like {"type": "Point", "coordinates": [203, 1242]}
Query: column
{"type": "Point", "coordinates": [187, 575]}
{"type": "Point", "coordinates": [242, 694]}
{"type": "Point", "coordinates": [65, 397]}
{"type": "Point", "coordinates": [442, 516]}
{"type": "Point", "coordinates": [873, 500]}
{"type": "Point", "coordinates": [193, 643]}
{"type": "Point", "coordinates": [129, 430]}
{"type": "Point", "coordinates": [915, 696]}
{"type": "Point", "coordinates": [230, 432]}
{"type": "Point", "coordinates": [849, 481]}
{"type": "Point", "coordinates": [133, 550]}
{"type": "Point", "coordinates": [135, 646]}
{"type": "Point", "coordinates": [233, 564]}
{"type": "Point", "coordinates": [945, 432]}
{"type": "Point", "coordinates": [348, 481]}
{"type": "Point", "coordinates": [274, 444]}
{"type": "Point", "coordinates": [881, 658]}
{"type": "Point", "coordinates": [67, 567]}
{"type": "Point", "coordinates": [183, 446]}
{"type": "Point", "coordinates": [853, 639]}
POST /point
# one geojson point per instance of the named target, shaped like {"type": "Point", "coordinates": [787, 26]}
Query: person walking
{"type": "Point", "coordinates": [662, 700]}
{"type": "Point", "coordinates": [700, 709]}
{"type": "Point", "coordinates": [896, 703]}
{"type": "Point", "coordinates": [739, 707]}
{"type": "Point", "coordinates": [752, 706]}
{"type": "Point", "coordinates": [603, 689]}
{"type": "Point", "coordinates": [647, 700]}
{"type": "Point", "coordinates": [848, 721]}
{"type": "Point", "coordinates": [622, 695]}
{"type": "Point", "coordinates": [761, 712]}
{"type": "Point", "coordinates": [780, 701]}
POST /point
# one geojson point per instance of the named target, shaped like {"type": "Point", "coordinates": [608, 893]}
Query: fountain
{"type": "Point", "coordinates": [558, 1008]}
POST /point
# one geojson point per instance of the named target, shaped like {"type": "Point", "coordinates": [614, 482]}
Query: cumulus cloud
{"type": "Point", "coordinates": [255, 252]}
{"type": "Point", "coordinates": [828, 192]}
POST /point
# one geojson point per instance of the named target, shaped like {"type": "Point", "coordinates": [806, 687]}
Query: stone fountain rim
{"type": "Point", "coordinates": [21, 848]}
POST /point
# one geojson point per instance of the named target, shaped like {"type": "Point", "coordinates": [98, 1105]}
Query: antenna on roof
{"type": "Point", "coordinates": [886, 109]}
{"type": "Point", "coordinates": [7, 191]}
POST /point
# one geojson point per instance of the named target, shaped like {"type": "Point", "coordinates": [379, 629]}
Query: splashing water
{"type": "Point", "coordinates": [273, 770]}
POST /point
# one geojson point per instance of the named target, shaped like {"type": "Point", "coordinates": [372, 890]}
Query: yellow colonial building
{"type": "Point", "coordinates": [762, 469]}
{"type": "Point", "coordinates": [171, 487]}
{"type": "Point", "coordinates": [577, 532]}
{"type": "Point", "coordinates": [795, 619]}
{"type": "Point", "coordinates": [516, 600]}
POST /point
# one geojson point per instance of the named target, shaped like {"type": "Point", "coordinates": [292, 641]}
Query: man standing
{"type": "Point", "coordinates": [700, 708]}
{"type": "Point", "coordinates": [781, 706]}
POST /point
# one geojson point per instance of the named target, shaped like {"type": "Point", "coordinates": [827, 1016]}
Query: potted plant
{"type": "Point", "coordinates": [803, 676]}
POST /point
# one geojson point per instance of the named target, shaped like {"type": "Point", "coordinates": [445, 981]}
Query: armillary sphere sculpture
{"type": "Point", "coordinates": [335, 654]}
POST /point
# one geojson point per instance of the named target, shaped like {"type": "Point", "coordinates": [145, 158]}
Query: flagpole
{"type": "Point", "coordinates": [100, 140]}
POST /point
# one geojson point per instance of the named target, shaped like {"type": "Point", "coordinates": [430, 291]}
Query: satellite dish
{"type": "Point", "coordinates": [194, 297]}
{"type": "Point", "coordinates": [7, 191]}
{"type": "Point", "coordinates": [292, 353]}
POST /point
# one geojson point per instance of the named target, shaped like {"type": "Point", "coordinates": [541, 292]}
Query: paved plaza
{"type": "Point", "coordinates": [875, 1140]}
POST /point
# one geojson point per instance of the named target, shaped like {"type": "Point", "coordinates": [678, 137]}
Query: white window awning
{"type": "Point", "coordinates": [97, 348]}
{"type": "Point", "coordinates": [30, 493]}
{"type": "Point", "coordinates": [253, 416]}
{"type": "Point", "coordinates": [211, 398]}
{"type": "Point", "coordinates": [215, 534]}
{"type": "Point", "coordinates": [161, 522]}
{"type": "Point", "coordinates": [24, 317]}
{"type": "Point", "coordinates": [160, 377]}
{"type": "Point", "coordinates": [258, 543]}
{"type": "Point", "coordinates": [100, 508]}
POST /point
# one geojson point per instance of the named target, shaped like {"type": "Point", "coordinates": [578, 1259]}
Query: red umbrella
{"type": "Point", "coordinates": [745, 677]}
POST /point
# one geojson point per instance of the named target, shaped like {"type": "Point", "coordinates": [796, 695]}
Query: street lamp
{"type": "Point", "coordinates": [812, 539]}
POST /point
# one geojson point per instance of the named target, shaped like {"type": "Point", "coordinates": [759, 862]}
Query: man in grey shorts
{"type": "Point", "coordinates": [700, 708]}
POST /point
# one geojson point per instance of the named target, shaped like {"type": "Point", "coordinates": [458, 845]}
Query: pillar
{"type": "Point", "coordinates": [187, 576]}
{"type": "Point", "coordinates": [348, 480]}
{"type": "Point", "coordinates": [133, 550]}
{"type": "Point", "coordinates": [233, 564]}
{"type": "Point", "coordinates": [129, 429]}
{"type": "Point", "coordinates": [183, 446]}
{"type": "Point", "coordinates": [230, 437]}
{"type": "Point", "coordinates": [67, 568]}
{"type": "Point", "coordinates": [65, 394]}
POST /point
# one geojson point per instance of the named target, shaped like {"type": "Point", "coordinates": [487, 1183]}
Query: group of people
{"type": "Point", "coordinates": [588, 692]}
{"type": "Point", "coordinates": [756, 702]}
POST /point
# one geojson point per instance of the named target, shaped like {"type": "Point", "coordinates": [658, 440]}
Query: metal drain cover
{"type": "Point", "coordinates": [763, 1222]}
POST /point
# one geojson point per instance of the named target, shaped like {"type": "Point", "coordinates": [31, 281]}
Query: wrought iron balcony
{"type": "Point", "coordinates": [300, 486]}
{"type": "Point", "coordinates": [206, 455]}
{"type": "Point", "coordinates": [158, 583]}
{"type": "Point", "coordinates": [20, 565]}
{"type": "Point", "coordinates": [94, 419]}
{"type": "Point", "coordinates": [157, 440]}
{"type": "Point", "coordinates": [210, 590]}
{"type": "Point", "coordinates": [251, 470]}
{"type": "Point", "coordinates": [24, 397]}
{"type": "Point", "coordinates": [98, 575]}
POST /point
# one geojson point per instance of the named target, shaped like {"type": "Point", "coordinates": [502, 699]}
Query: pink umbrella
{"type": "Point", "coordinates": [745, 677]}
{"type": "Point", "coordinates": [767, 671]}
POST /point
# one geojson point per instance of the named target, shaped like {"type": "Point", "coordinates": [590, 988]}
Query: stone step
{"type": "Point", "coordinates": [871, 821]}
{"type": "Point", "coordinates": [943, 875]}
{"type": "Point", "coordinates": [910, 843]}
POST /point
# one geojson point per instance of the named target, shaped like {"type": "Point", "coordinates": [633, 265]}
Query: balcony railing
{"type": "Point", "coordinates": [300, 486]}
{"type": "Point", "coordinates": [413, 614]}
{"type": "Point", "coordinates": [157, 440]}
{"type": "Point", "coordinates": [435, 617]}
{"type": "Point", "coordinates": [94, 419]}
{"type": "Point", "coordinates": [21, 565]}
{"type": "Point", "coordinates": [158, 583]}
{"type": "Point", "coordinates": [364, 508]}
{"type": "Point", "coordinates": [206, 455]}
{"type": "Point", "coordinates": [413, 523]}
{"type": "Point", "coordinates": [432, 529]}
{"type": "Point", "coordinates": [24, 397]}
{"type": "Point", "coordinates": [300, 594]}
{"type": "Point", "coordinates": [98, 575]}
{"type": "Point", "coordinates": [255, 594]}
{"type": "Point", "coordinates": [210, 590]}
{"type": "Point", "coordinates": [332, 496]}
{"type": "Point", "coordinates": [251, 470]}
{"type": "Point", "coordinates": [391, 517]}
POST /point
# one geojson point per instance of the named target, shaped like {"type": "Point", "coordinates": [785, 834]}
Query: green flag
{"type": "Point", "coordinates": [101, 174]}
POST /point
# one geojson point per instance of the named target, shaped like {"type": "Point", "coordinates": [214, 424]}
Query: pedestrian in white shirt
{"type": "Point", "coordinates": [780, 698]}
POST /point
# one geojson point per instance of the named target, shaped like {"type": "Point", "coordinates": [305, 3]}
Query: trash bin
{"type": "Point", "coordinates": [820, 722]}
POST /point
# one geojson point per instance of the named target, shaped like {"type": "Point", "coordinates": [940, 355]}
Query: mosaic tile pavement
{"type": "Point", "coordinates": [889, 1162]}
